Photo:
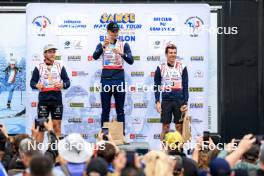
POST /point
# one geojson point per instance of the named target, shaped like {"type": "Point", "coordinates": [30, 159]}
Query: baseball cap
{"type": "Point", "coordinates": [113, 27]}
{"type": "Point", "coordinates": [173, 138]}
{"type": "Point", "coordinates": [49, 47]}
{"type": "Point", "coordinates": [12, 61]}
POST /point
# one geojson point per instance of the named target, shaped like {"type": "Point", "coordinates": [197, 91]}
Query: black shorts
{"type": "Point", "coordinates": [169, 108]}
{"type": "Point", "coordinates": [56, 111]}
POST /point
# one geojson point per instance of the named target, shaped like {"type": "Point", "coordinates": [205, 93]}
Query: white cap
{"type": "Point", "coordinates": [49, 47]}
{"type": "Point", "coordinates": [75, 149]}
{"type": "Point", "coordinates": [12, 61]}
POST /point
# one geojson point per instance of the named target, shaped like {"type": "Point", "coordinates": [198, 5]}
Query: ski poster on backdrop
{"type": "Point", "coordinates": [76, 30]}
{"type": "Point", "coordinates": [13, 73]}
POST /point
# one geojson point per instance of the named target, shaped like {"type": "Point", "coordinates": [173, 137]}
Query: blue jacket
{"type": "Point", "coordinates": [182, 95]}
{"type": "Point", "coordinates": [114, 73]}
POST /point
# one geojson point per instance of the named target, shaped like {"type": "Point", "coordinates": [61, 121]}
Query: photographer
{"type": "Point", "coordinates": [233, 157]}
{"type": "Point", "coordinates": [52, 139]}
{"type": "Point", "coordinates": [28, 148]}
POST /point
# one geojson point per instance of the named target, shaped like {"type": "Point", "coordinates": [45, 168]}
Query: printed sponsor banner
{"type": "Point", "coordinates": [76, 30]}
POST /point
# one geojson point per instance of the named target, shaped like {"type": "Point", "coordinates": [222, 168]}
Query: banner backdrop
{"type": "Point", "coordinates": [76, 29]}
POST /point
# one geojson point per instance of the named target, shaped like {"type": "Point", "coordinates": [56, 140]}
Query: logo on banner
{"type": "Point", "coordinates": [140, 105]}
{"type": "Point", "coordinates": [157, 44]}
{"type": "Point", "coordinates": [138, 88]}
{"type": "Point", "coordinates": [75, 120]}
{"type": "Point", "coordinates": [156, 136]}
{"type": "Point", "coordinates": [199, 74]}
{"type": "Point", "coordinates": [94, 89]}
{"type": "Point", "coordinates": [196, 121]}
{"type": "Point", "coordinates": [90, 120]}
{"type": "Point", "coordinates": [75, 44]}
{"type": "Point", "coordinates": [77, 105]}
{"type": "Point", "coordinates": [40, 24]}
{"type": "Point", "coordinates": [34, 104]}
{"type": "Point", "coordinates": [196, 105]}
{"type": "Point", "coordinates": [197, 58]}
{"type": "Point", "coordinates": [137, 136]}
{"type": "Point", "coordinates": [196, 89]}
{"type": "Point", "coordinates": [123, 38]}
{"type": "Point", "coordinates": [153, 120]}
{"type": "Point", "coordinates": [163, 24]}
{"type": "Point", "coordinates": [137, 121]}
{"type": "Point", "coordinates": [195, 25]}
{"type": "Point", "coordinates": [93, 119]}
{"type": "Point", "coordinates": [95, 105]}
{"type": "Point", "coordinates": [74, 58]}
{"type": "Point", "coordinates": [90, 58]}
{"type": "Point", "coordinates": [36, 58]}
{"type": "Point", "coordinates": [136, 58]}
{"type": "Point", "coordinates": [79, 73]}
{"type": "Point", "coordinates": [153, 58]}
{"type": "Point", "coordinates": [118, 18]}
{"type": "Point", "coordinates": [125, 21]}
{"type": "Point", "coordinates": [72, 24]}
{"type": "Point", "coordinates": [137, 74]}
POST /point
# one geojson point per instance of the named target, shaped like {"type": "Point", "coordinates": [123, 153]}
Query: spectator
{"type": "Point", "coordinates": [245, 144]}
{"type": "Point", "coordinates": [202, 153]}
{"type": "Point", "coordinates": [249, 159]}
{"type": "Point", "coordinates": [119, 162]}
{"type": "Point", "coordinates": [27, 149]}
{"type": "Point", "coordinates": [220, 167]}
{"type": "Point", "coordinates": [178, 167]}
{"type": "Point", "coordinates": [97, 166]}
{"type": "Point", "coordinates": [74, 151]}
{"type": "Point", "coordinates": [41, 165]}
{"type": "Point", "coordinates": [158, 163]}
{"type": "Point", "coordinates": [15, 161]}
{"type": "Point", "coordinates": [174, 140]}
{"type": "Point", "coordinates": [107, 151]}
{"type": "Point", "coordinates": [131, 171]}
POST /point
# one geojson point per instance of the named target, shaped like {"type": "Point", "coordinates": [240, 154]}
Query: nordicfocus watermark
{"type": "Point", "coordinates": [198, 146]}
{"type": "Point", "coordinates": [124, 87]}
{"type": "Point", "coordinates": [77, 147]}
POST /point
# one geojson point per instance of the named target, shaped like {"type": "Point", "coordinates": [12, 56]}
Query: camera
{"type": "Point", "coordinates": [40, 123]}
{"type": "Point", "coordinates": [206, 136]}
{"type": "Point", "coordinates": [105, 132]}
